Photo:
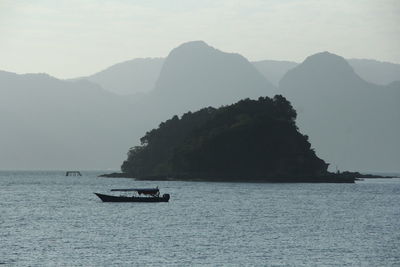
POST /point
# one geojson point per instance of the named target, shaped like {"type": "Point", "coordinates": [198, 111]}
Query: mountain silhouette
{"type": "Point", "coordinates": [195, 75]}
{"type": "Point", "coordinates": [377, 72]}
{"type": "Point", "coordinates": [76, 124]}
{"type": "Point", "coordinates": [140, 75]}
{"type": "Point", "coordinates": [351, 123]}
{"type": "Point", "coordinates": [133, 76]}
{"type": "Point", "coordinates": [79, 124]}
{"type": "Point", "coordinates": [54, 124]}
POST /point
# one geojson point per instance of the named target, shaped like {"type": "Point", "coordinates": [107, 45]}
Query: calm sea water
{"type": "Point", "coordinates": [48, 219]}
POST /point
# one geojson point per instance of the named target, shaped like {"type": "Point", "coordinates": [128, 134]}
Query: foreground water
{"type": "Point", "coordinates": [48, 219]}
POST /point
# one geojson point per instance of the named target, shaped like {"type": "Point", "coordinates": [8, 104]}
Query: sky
{"type": "Point", "coordinates": [72, 38]}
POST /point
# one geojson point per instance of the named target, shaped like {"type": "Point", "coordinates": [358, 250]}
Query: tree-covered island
{"type": "Point", "coordinates": [251, 140]}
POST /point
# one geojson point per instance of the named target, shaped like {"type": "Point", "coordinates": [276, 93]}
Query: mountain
{"type": "Point", "coordinates": [140, 75]}
{"type": "Point", "coordinates": [353, 124]}
{"type": "Point", "coordinates": [54, 124]}
{"type": "Point", "coordinates": [370, 70]}
{"type": "Point", "coordinates": [375, 71]}
{"type": "Point", "coordinates": [76, 124]}
{"type": "Point", "coordinates": [129, 77]}
{"type": "Point", "coordinates": [195, 75]}
{"type": "Point", "coordinates": [274, 70]}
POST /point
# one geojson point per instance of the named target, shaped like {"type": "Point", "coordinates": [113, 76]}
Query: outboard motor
{"type": "Point", "coordinates": [166, 197]}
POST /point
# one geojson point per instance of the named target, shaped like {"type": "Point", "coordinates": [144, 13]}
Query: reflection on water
{"type": "Point", "coordinates": [49, 219]}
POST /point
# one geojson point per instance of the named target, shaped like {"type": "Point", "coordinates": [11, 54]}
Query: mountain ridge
{"type": "Point", "coordinates": [375, 71]}
{"type": "Point", "coordinates": [202, 76]}
{"type": "Point", "coordinates": [344, 115]}
{"type": "Point", "coordinates": [137, 75]}
{"type": "Point", "coordinates": [54, 112]}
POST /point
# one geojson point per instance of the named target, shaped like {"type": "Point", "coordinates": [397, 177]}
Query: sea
{"type": "Point", "coordinates": [48, 219]}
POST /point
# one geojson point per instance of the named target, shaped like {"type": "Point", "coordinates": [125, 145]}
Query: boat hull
{"type": "Point", "coordinates": [108, 198]}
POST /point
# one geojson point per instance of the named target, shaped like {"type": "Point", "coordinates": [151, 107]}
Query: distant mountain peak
{"type": "Point", "coordinates": [129, 77]}
{"type": "Point", "coordinates": [325, 69]}
{"type": "Point", "coordinates": [193, 49]}
{"type": "Point", "coordinates": [345, 117]}
{"type": "Point", "coordinates": [327, 60]}
{"type": "Point", "coordinates": [194, 44]}
{"type": "Point", "coordinates": [201, 75]}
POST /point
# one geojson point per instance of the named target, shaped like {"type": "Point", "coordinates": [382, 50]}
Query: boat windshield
{"type": "Point", "coordinates": [144, 191]}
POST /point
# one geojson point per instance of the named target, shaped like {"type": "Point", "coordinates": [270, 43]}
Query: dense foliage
{"type": "Point", "coordinates": [252, 139]}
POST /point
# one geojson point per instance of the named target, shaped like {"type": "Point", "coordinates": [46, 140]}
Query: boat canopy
{"type": "Point", "coordinates": [145, 191]}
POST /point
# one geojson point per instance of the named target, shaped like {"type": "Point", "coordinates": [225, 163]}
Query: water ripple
{"type": "Point", "coordinates": [50, 220]}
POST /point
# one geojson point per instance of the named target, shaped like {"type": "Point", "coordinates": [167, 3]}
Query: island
{"type": "Point", "coordinates": [249, 141]}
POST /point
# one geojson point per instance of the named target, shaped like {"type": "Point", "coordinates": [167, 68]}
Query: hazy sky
{"type": "Point", "coordinates": [68, 38]}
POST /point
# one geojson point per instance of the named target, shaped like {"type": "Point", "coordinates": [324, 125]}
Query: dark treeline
{"type": "Point", "coordinates": [248, 140]}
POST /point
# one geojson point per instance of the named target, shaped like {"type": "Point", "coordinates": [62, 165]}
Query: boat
{"type": "Point", "coordinates": [139, 195]}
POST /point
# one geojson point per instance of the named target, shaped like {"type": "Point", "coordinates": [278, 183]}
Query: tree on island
{"type": "Point", "coordinates": [248, 140]}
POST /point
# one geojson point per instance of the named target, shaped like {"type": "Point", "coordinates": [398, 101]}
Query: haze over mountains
{"type": "Point", "coordinates": [382, 73]}
{"type": "Point", "coordinates": [351, 123]}
{"type": "Point", "coordinates": [196, 75]}
{"type": "Point", "coordinates": [274, 70]}
{"type": "Point", "coordinates": [374, 71]}
{"type": "Point", "coordinates": [140, 75]}
{"type": "Point", "coordinates": [55, 124]}
{"type": "Point", "coordinates": [129, 77]}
